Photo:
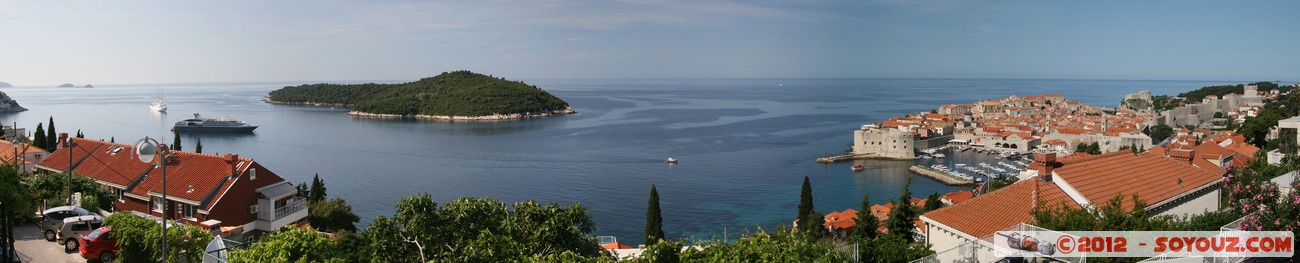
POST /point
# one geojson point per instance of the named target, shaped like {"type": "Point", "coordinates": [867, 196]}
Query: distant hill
{"type": "Point", "coordinates": [67, 85]}
{"type": "Point", "coordinates": [5, 85]}
{"type": "Point", "coordinates": [88, 86]}
{"type": "Point", "coordinates": [455, 95]}
{"type": "Point", "coordinates": [8, 104]}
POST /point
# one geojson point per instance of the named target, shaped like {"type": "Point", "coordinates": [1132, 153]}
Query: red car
{"type": "Point", "coordinates": [98, 245]}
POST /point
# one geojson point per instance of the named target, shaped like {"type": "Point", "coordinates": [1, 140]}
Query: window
{"type": "Point", "coordinates": [156, 204]}
{"type": "Point", "coordinates": [189, 210]}
{"type": "Point", "coordinates": [252, 174]}
{"type": "Point", "coordinates": [119, 193]}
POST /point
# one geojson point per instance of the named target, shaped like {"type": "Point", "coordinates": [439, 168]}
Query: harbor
{"type": "Point", "coordinates": [964, 165]}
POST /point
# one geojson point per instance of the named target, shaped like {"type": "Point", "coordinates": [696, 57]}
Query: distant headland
{"type": "Point", "coordinates": [454, 95]}
{"type": "Point", "coordinates": [67, 85]}
{"type": "Point", "coordinates": [8, 104]}
{"type": "Point", "coordinates": [5, 85]}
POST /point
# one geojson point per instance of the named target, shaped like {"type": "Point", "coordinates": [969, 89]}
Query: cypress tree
{"type": "Point", "coordinates": [51, 137]}
{"type": "Point", "coordinates": [79, 135]}
{"type": "Point", "coordinates": [654, 222]}
{"type": "Point", "coordinates": [317, 190]}
{"type": "Point", "coordinates": [865, 226]}
{"type": "Point", "coordinates": [805, 202]}
{"type": "Point", "coordinates": [901, 217]}
{"type": "Point", "coordinates": [112, 139]}
{"type": "Point", "coordinates": [176, 140]}
{"type": "Point", "coordinates": [198, 145]}
{"type": "Point", "coordinates": [39, 141]}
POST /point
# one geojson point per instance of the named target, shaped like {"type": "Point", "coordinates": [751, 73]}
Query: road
{"type": "Point", "coordinates": [32, 247]}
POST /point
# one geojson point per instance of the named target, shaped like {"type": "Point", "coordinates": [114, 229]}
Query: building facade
{"type": "Point", "coordinates": [237, 195]}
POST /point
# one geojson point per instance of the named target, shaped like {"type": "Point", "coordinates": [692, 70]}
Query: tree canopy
{"type": "Point", "coordinates": [455, 93]}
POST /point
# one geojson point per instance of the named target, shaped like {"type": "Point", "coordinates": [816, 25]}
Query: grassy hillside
{"type": "Point", "coordinates": [456, 93]}
{"type": "Point", "coordinates": [327, 93]}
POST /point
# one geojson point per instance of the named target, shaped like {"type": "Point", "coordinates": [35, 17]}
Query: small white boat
{"type": "Point", "coordinates": [858, 167]}
{"type": "Point", "coordinates": [671, 161]}
{"type": "Point", "coordinates": [940, 156]}
{"type": "Point", "coordinates": [158, 105]}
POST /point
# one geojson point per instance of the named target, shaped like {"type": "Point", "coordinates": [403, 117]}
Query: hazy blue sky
{"type": "Point", "coordinates": [104, 42]}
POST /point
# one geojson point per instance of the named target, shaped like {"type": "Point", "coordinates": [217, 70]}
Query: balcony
{"type": "Point", "coordinates": [272, 218]}
{"type": "Point", "coordinates": [289, 208]}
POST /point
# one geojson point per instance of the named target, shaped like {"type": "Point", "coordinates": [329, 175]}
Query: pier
{"type": "Point", "coordinates": [847, 157]}
{"type": "Point", "coordinates": [940, 176]}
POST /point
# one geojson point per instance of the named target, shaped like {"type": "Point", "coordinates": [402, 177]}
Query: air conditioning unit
{"type": "Point", "coordinates": [252, 209]}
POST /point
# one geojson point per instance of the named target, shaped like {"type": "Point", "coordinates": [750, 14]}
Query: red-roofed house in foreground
{"type": "Point", "coordinates": [1168, 185]}
{"type": "Point", "coordinates": [202, 189]}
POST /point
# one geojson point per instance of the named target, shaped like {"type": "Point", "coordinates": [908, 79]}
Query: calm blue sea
{"type": "Point", "coordinates": [744, 144]}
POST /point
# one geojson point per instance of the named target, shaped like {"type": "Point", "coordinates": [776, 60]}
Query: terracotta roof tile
{"type": "Point", "coordinates": [191, 176]}
{"type": "Point", "coordinates": [1158, 178]}
{"type": "Point", "coordinates": [1000, 209]}
{"type": "Point", "coordinates": [1098, 178]}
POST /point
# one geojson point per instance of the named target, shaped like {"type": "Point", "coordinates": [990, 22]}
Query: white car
{"type": "Point", "coordinates": [77, 226]}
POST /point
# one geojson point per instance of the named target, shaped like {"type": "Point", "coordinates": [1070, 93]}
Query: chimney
{"type": "Point", "coordinates": [63, 140]}
{"type": "Point", "coordinates": [1045, 162]}
{"type": "Point", "coordinates": [233, 160]}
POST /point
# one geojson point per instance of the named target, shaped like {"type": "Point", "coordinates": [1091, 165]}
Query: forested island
{"type": "Point", "coordinates": [454, 95]}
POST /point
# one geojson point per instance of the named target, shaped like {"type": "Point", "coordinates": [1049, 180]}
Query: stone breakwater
{"type": "Point", "coordinates": [939, 176]}
{"type": "Point", "coordinates": [493, 117]}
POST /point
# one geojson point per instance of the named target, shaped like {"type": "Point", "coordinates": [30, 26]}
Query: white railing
{"type": "Point", "coordinates": [294, 205]}
{"type": "Point", "coordinates": [981, 250]}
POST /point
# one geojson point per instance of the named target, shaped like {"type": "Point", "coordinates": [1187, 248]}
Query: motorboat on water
{"type": "Point", "coordinates": [158, 105]}
{"type": "Point", "coordinates": [858, 167]}
{"type": "Point", "coordinates": [201, 124]}
{"type": "Point", "coordinates": [671, 160]}
{"type": "Point", "coordinates": [940, 156]}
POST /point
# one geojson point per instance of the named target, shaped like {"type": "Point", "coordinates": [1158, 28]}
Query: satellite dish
{"type": "Point", "coordinates": [145, 150]}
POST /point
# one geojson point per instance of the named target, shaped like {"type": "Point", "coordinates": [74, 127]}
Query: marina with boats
{"type": "Point", "coordinates": [961, 164]}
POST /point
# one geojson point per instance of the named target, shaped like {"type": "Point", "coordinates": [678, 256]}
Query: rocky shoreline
{"type": "Point", "coordinates": [313, 104]}
{"type": "Point", "coordinates": [493, 117]}
{"type": "Point", "coordinates": [8, 104]}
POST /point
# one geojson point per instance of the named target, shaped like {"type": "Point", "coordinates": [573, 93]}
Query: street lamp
{"type": "Point", "coordinates": [148, 150]}
{"type": "Point", "coordinates": [72, 146]}
{"type": "Point", "coordinates": [16, 144]}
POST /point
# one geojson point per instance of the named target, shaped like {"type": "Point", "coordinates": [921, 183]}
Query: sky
{"type": "Point", "coordinates": [125, 41]}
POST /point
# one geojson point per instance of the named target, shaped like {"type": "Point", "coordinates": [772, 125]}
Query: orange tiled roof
{"type": "Point", "coordinates": [1000, 209]}
{"type": "Point", "coordinates": [1097, 178]}
{"type": "Point", "coordinates": [958, 196]}
{"type": "Point", "coordinates": [842, 220]}
{"type": "Point", "coordinates": [8, 151]}
{"type": "Point", "coordinates": [615, 245]}
{"type": "Point", "coordinates": [102, 161]}
{"type": "Point", "coordinates": [191, 176]}
{"type": "Point", "coordinates": [1108, 175]}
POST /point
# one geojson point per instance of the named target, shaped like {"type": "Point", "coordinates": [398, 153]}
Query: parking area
{"type": "Point", "coordinates": [32, 247]}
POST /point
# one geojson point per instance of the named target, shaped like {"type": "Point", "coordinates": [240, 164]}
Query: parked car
{"type": "Point", "coordinates": [52, 219]}
{"type": "Point", "coordinates": [76, 226]}
{"type": "Point", "coordinates": [99, 244]}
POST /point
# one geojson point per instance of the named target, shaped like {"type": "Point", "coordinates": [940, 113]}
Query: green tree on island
{"type": "Point", "coordinates": [654, 225]}
{"type": "Point", "coordinates": [198, 145]}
